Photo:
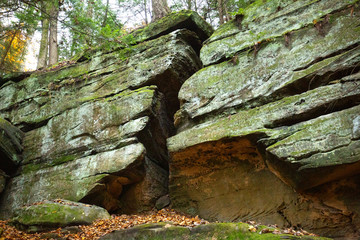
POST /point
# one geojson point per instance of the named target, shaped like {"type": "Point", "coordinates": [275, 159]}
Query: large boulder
{"type": "Point", "coordinates": [49, 215]}
{"type": "Point", "coordinates": [269, 130]}
{"type": "Point", "coordinates": [96, 129]}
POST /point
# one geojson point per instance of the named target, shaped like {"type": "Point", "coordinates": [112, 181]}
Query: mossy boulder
{"type": "Point", "coordinates": [49, 215]}
{"type": "Point", "coordinates": [210, 231]}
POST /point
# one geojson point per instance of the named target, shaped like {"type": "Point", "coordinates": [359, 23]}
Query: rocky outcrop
{"type": "Point", "coordinates": [96, 130]}
{"type": "Point", "coordinates": [49, 215]}
{"type": "Point", "coordinates": [268, 130]}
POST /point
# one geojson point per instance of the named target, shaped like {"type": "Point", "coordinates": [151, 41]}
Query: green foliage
{"type": "Point", "coordinates": [90, 24]}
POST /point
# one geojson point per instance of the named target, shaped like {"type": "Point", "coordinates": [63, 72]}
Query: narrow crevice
{"type": "Point", "coordinates": [28, 126]}
{"type": "Point", "coordinates": [155, 134]}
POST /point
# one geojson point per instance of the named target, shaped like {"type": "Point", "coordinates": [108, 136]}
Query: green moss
{"type": "Point", "coordinates": [32, 167]}
{"type": "Point", "coordinates": [170, 22]}
{"type": "Point", "coordinates": [161, 25]}
{"type": "Point", "coordinates": [63, 159]}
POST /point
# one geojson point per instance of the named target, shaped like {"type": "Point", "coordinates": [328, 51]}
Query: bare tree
{"type": "Point", "coordinates": [160, 9]}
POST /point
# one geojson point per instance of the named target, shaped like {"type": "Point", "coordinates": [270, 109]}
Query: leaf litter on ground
{"type": "Point", "coordinates": [117, 222]}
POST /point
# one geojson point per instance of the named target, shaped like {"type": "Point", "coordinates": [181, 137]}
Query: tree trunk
{"type": "Point", "coordinates": [106, 14]}
{"type": "Point", "coordinates": [160, 9]}
{"type": "Point", "coordinates": [225, 7]}
{"type": "Point", "coordinates": [145, 10]}
{"type": "Point", "coordinates": [53, 46]}
{"type": "Point", "coordinates": [221, 11]}
{"type": "Point", "coordinates": [44, 42]}
{"type": "Point", "coordinates": [188, 3]}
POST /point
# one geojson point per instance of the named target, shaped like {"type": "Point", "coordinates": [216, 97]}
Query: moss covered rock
{"type": "Point", "coordinates": [209, 231]}
{"type": "Point", "coordinates": [96, 129]}
{"type": "Point", "coordinates": [268, 20]}
{"type": "Point", "coordinates": [271, 70]}
{"type": "Point", "coordinates": [49, 215]}
{"type": "Point", "coordinates": [268, 130]}
{"type": "Point", "coordinates": [176, 20]}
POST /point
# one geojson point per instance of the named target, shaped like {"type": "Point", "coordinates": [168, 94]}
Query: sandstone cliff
{"type": "Point", "coordinates": [258, 121]}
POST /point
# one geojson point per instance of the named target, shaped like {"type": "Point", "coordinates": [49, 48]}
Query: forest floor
{"type": "Point", "coordinates": [103, 226]}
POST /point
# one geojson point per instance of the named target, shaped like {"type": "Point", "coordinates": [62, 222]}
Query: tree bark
{"type": "Point", "coordinates": [53, 46]}
{"type": "Point", "coordinates": [106, 14]}
{"type": "Point", "coordinates": [221, 11]}
{"type": "Point", "coordinates": [160, 9]}
{"type": "Point", "coordinates": [188, 3]}
{"type": "Point", "coordinates": [145, 11]}
{"type": "Point", "coordinates": [44, 42]}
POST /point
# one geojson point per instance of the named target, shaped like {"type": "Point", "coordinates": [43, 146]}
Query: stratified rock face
{"type": "Point", "coordinates": [269, 130]}
{"type": "Point", "coordinates": [96, 130]}
{"type": "Point", "coordinates": [49, 215]}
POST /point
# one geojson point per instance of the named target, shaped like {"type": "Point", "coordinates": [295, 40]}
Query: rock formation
{"type": "Point", "coordinates": [96, 131]}
{"type": "Point", "coordinates": [49, 215]}
{"type": "Point", "coordinates": [259, 122]}
{"type": "Point", "coordinates": [269, 129]}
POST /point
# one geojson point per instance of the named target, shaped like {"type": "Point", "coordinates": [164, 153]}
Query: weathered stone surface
{"type": "Point", "coordinates": [275, 71]}
{"type": "Point", "coordinates": [274, 20]}
{"type": "Point", "coordinates": [165, 62]}
{"type": "Point", "coordinates": [92, 127]}
{"type": "Point", "coordinates": [76, 179]}
{"type": "Point", "coordinates": [209, 231]}
{"type": "Point", "coordinates": [54, 214]}
{"type": "Point", "coordinates": [269, 131]}
{"type": "Point", "coordinates": [10, 146]}
{"type": "Point", "coordinates": [177, 20]}
{"type": "Point", "coordinates": [96, 130]}
{"type": "Point", "coordinates": [225, 161]}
